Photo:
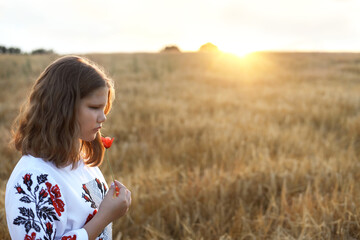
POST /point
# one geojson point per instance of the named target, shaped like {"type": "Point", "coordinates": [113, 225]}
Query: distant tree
{"type": "Point", "coordinates": [42, 51]}
{"type": "Point", "coordinates": [14, 50]}
{"type": "Point", "coordinates": [172, 48]}
{"type": "Point", "coordinates": [11, 50]}
{"type": "Point", "coordinates": [3, 49]}
{"type": "Point", "coordinates": [208, 47]}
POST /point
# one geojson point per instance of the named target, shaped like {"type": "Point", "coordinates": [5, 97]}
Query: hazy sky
{"type": "Point", "coordinates": [79, 26]}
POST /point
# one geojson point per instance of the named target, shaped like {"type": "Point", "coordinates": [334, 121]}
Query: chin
{"type": "Point", "coordinates": [89, 138]}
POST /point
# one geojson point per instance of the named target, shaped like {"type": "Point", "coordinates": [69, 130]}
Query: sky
{"type": "Point", "coordinates": [235, 26]}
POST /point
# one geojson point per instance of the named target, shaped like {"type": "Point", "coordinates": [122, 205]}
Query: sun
{"type": "Point", "coordinates": [242, 52]}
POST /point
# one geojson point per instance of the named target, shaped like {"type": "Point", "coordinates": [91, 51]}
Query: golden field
{"type": "Point", "coordinates": [216, 147]}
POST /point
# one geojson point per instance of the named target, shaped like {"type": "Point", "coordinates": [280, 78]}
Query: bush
{"type": "Point", "coordinates": [172, 48]}
{"type": "Point", "coordinates": [208, 47]}
{"type": "Point", "coordinates": [11, 50]}
{"type": "Point", "coordinates": [42, 51]}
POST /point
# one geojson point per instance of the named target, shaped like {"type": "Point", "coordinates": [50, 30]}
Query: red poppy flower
{"type": "Point", "coordinates": [107, 141]}
{"type": "Point", "coordinates": [54, 192]}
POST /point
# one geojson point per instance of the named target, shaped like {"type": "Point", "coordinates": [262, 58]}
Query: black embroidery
{"type": "Point", "coordinates": [102, 187]}
{"type": "Point", "coordinates": [48, 205]}
{"type": "Point", "coordinates": [87, 196]}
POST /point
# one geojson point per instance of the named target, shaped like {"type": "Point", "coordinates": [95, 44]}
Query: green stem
{"type": "Point", "coordinates": [107, 159]}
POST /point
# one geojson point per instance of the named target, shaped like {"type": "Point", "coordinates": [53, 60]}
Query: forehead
{"type": "Point", "coordinates": [98, 94]}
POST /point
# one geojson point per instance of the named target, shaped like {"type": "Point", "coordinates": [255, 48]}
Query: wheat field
{"type": "Point", "coordinates": [217, 147]}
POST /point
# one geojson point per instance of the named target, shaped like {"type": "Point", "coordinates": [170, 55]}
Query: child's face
{"type": "Point", "coordinates": [91, 115]}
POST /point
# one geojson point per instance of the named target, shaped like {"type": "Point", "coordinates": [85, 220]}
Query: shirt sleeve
{"type": "Point", "coordinates": [36, 209]}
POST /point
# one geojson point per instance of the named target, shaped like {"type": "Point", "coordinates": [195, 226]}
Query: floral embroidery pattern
{"type": "Point", "coordinates": [69, 238]}
{"type": "Point", "coordinates": [87, 196]}
{"type": "Point", "coordinates": [48, 205]}
{"type": "Point", "coordinates": [93, 192]}
{"type": "Point", "coordinates": [55, 195]}
{"type": "Point", "coordinates": [101, 186]}
{"type": "Point", "coordinates": [32, 237]}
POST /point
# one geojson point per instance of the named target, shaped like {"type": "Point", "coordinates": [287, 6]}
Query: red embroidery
{"type": "Point", "coordinates": [49, 228]}
{"type": "Point", "coordinates": [85, 189]}
{"type": "Point", "coordinates": [19, 189]}
{"type": "Point", "coordinates": [98, 182]}
{"type": "Point", "coordinates": [32, 237]}
{"type": "Point", "coordinates": [27, 179]}
{"type": "Point", "coordinates": [43, 194]}
{"type": "Point", "coordinates": [54, 192]}
{"type": "Point", "coordinates": [91, 216]}
{"type": "Point", "coordinates": [46, 202]}
{"type": "Point", "coordinates": [69, 237]}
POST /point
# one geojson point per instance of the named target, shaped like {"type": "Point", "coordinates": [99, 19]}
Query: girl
{"type": "Point", "coordinates": [56, 190]}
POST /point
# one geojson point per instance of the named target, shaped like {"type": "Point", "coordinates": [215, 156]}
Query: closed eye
{"type": "Point", "coordinates": [97, 107]}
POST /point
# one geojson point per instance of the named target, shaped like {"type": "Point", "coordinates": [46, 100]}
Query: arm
{"type": "Point", "coordinates": [36, 208]}
{"type": "Point", "coordinates": [111, 208]}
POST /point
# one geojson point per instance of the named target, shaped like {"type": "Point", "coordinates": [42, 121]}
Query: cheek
{"type": "Point", "coordinates": [85, 116]}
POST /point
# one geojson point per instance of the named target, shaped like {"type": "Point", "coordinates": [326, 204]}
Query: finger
{"type": "Point", "coordinates": [129, 198]}
{"type": "Point", "coordinates": [121, 191]}
{"type": "Point", "coordinates": [117, 190]}
{"type": "Point", "coordinates": [128, 193]}
{"type": "Point", "coordinates": [119, 184]}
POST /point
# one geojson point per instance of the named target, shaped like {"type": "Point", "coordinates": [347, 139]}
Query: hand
{"type": "Point", "coordinates": [114, 205]}
{"type": "Point", "coordinates": [116, 202]}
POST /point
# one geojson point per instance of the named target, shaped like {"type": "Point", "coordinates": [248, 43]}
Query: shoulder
{"type": "Point", "coordinates": [30, 164]}
{"type": "Point", "coordinates": [28, 170]}
{"type": "Point", "coordinates": [33, 182]}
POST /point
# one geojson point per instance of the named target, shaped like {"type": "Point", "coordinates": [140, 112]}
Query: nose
{"type": "Point", "coordinates": [101, 117]}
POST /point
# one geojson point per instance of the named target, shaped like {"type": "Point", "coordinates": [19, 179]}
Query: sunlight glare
{"type": "Point", "coordinates": [238, 49]}
{"type": "Point", "coordinates": [241, 52]}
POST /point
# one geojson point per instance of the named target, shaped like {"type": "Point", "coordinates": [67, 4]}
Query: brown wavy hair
{"type": "Point", "coordinates": [47, 125]}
